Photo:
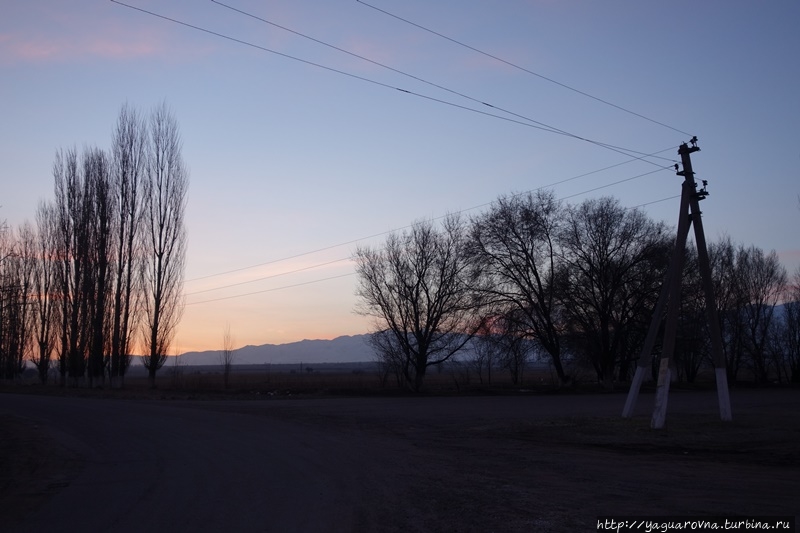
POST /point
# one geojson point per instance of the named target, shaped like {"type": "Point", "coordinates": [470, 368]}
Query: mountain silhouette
{"type": "Point", "coordinates": [345, 349]}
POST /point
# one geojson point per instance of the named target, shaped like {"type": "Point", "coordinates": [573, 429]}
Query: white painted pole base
{"type": "Point", "coordinates": [633, 393]}
{"type": "Point", "coordinates": [723, 395]}
{"type": "Point", "coordinates": [662, 395]}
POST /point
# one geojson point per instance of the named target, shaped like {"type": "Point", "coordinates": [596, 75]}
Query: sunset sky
{"type": "Point", "coordinates": [292, 165]}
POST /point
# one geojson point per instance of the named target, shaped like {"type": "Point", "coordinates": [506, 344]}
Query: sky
{"type": "Point", "coordinates": [293, 165]}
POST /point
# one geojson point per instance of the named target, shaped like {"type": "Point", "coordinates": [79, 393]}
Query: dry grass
{"type": "Point", "coordinates": [188, 382]}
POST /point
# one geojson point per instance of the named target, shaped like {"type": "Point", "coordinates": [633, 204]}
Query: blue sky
{"type": "Point", "coordinates": [287, 158]}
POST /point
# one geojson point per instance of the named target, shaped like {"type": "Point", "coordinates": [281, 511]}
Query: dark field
{"type": "Point", "coordinates": [317, 456]}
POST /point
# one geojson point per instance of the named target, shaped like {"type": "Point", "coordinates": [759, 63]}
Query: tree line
{"type": "Point", "coordinates": [574, 284]}
{"type": "Point", "coordinates": [99, 273]}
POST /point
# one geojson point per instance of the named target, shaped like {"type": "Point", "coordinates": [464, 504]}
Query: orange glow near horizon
{"type": "Point", "coordinates": [277, 308]}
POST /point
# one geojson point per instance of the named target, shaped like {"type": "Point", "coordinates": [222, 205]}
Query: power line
{"type": "Point", "coordinates": [353, 273]}
{"type": "Point", "coordinates": [406, 227]}
{"type": "Point", "coordinates": [331, 69]}
{"type": "Point", "coordinates": [302, 254]}
{"type": "Point", "coordinates": [269, 277]}
{"type": "Point", "coordinates": [529, 122]}
{"type": "Point", "coordinates": [417, 78]}
{"type": "Point", "coordinates": [560, 182]}
{"type": "Point", "coordinates": [614, 183]}
{"type": "Point", "coordinates": [656, 201]}
{"type": "Point", "coordinates": [273, 289]}
{"type": "Point", "coordinates": [565, 86]}
{"type": "Point", "coordinates": [380, 234]}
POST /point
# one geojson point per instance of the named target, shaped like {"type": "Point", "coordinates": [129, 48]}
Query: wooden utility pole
{"type": "Point", "coordinates": [670, 298]}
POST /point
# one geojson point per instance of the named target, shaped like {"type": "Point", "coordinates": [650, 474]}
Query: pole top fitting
{"type": "Point", "coordinates": [680, 172]}
{"type": "Point", "coordinates": [685, 149]}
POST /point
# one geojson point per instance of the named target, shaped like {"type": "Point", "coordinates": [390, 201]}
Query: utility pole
{"type": "Point", "coordinates": [669, 297]}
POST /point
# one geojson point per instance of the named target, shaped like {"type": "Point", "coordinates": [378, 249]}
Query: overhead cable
{"type": "Point", "coordinates": [656, 201]}
{"type": "Point", "coordinates": [406, 227]}
{"type": "Point", "coordinates": [613, 183]}
{"type": "Point", "coordinates": [311, 282]}
{"type": "Point", "coordinates": [295, 271]}
{"type": "Point", "coordinates": [514, 65]}
{"type": "Point", "coordinates": [382, 233]}
{"type": "Point", "coordinates": [273, 289]}
{"type": "Point", "coordinates": [548, 127]}
{"type": "Point", "coordinates": [527, 122]}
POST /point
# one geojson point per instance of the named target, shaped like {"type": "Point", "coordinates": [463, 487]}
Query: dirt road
{"type": "Point", "coordinates": [521, 463]}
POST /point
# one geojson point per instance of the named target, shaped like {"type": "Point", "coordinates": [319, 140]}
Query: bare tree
{"type": "Point", "coordinates": [64, 166]}
{"type": "Point", "coordinates": [391, 358]}
{"type": "Point", "coordinates": [762, 280]}
{"type": "Point", "coordinates": [94, 236]}
{"type": "Point", "coordinates": [513, 248]}
{"type": "Point", "coordinates": [722, 256]}
{"type": "Point", "coordinates": [15, 286]}
{"type": "Point", "coordinates": [25, 261]}
{"type": "Point", "coordinates": [510, 334]}
{"type": "Point", "coordinates": [788, 333]}
{"type": "Point", "coordinates": [486, 350]}
{"type": "Point", "coordinates": [693, 342]}
{"type": "Point", "coordinates": [44, 287]}
{"type": "Point", "coordinates": [84, 214]}
{"type": "Point", "coordinates": [8, 302]}
{"type": "Point", "coordinates": [227, 355]}
{"type": "Point", "coordinates": [75, 279]}
{"type": "Point", "coordinates": [614, 260]}
{"type": "Point", "coordinates": [99, 193]}
{"type": "Point", "coordinates": [748, 284]}
{"type": "Point", "coordinates": [163, 239]}
{"type": "Point", "coordinates": [418, 290]}
{"type": "Point", "coordinates": [128, 166]}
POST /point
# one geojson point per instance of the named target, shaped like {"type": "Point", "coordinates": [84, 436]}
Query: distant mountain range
{"type": "Point", "coordinates": [346, 349]}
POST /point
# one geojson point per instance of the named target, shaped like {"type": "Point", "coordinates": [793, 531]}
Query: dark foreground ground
{"type": "Point", "coordinates": [538, 462]}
